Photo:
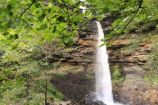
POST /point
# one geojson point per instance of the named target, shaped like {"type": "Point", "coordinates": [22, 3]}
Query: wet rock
{"type": "Point", "coordinates": [82, 35]}
{"type": "Point", "coordinates": [91, 100]}
{"type": "Point", "coordinates": [88, 31]}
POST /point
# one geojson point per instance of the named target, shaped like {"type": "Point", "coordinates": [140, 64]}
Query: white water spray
{"type": "Point", "coordinates": [103, 76]}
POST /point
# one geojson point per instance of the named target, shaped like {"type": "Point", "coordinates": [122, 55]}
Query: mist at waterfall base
{"type": "Point", "coordinates": [103, 76]}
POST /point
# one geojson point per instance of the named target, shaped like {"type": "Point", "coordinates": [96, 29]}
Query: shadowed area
{"type": "Point", "coordinates": [75, 86]}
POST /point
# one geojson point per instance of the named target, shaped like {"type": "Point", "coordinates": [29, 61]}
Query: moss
{"type": "Point", "coordinates": [117, 75]}
{"type": "Point", "coordinates": [152, 77]}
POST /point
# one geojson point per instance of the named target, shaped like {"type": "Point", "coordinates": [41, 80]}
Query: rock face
{"type": "Point", "coordinates": [134, 90]}
{"type": "Point", "coordinates": [78, 63]}
{"type": "Point", "coordinates": [83, 50]}
{"type": "Point", "coordinates": [81, 53]}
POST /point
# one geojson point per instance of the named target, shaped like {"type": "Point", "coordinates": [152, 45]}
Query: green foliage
{"type": "Point", "coordinates": [130, 14]}
{"type": "Point", "coordinates": [117, 75]}
{"type": "Point", "coordinates": [24, 26]}
{"type": "Point", "coordinates": [12, 91]}
{"type": "Point", "coordinates": [52, 91]}
{"type": "Point", "coordinates": [28, 76]}
{"type": "Point", "coordinates": [27, 24]}
{"type": "Point", "coordinates": [39, 21]}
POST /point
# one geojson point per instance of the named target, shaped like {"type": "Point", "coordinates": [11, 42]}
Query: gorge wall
{"type": "Point", "coordinates": [134, 65]}
{"type": "Point", "coordinates": [129, 63]}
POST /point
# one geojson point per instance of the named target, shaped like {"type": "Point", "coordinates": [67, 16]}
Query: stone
{"type": "Point", "coordinates": [90, 99]}
{"type": "Point", "coordinates": [117, 44]}
{"type": "Point", "coordinates": [141, 58]}
{"type": "Point", "coordinates": [66, 55]}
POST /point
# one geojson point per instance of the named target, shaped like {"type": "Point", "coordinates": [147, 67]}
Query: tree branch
{"type": "Point", "coordinates": [33, 1]}
{"type": "Point", "coordinates": [139, 7]}
{"type": "Point", "coordinates": [44, 12]}
{"type": "Point", "coordinates": [26, 23]}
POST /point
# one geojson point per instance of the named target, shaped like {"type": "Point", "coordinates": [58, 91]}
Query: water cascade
{"type": "Point", "coordinates": [103, 76]}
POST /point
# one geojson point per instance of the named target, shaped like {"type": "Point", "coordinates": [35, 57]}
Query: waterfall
{"type": "Point", "coordinates": [103, 76]}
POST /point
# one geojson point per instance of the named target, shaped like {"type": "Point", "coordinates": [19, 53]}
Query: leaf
{"type": "Point", "coordinates": [12, 31]}
{"type": "Point", "coordinates": [2, 37]}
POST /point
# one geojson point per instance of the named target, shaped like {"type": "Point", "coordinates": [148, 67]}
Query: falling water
{"type": "Point", "coordinates": [103, 76]}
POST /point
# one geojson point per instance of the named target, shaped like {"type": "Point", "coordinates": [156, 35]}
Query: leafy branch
{"type": "Point", "coordinates": [44, 12]}
{"type": "Point", "coordinates": [33, 1]}
{"type": "Point", "coordinates": [68, 16]}
{"type": "Point", "coordinates": [136, 12]}
{"type": "Point", "coordinates": [25, 10]}
{"type": "Point", "coordinates": [26, 23]}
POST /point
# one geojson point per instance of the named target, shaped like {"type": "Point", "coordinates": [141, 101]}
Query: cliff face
{"type": "Point", "coordinates": [132, 54]}
{"type": "Point", "coordinates": [129, 58]}
{"type": "Point", "coordinates": [130, 63]}
{"type": "Point", "coordinates": [74, 74]}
